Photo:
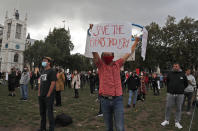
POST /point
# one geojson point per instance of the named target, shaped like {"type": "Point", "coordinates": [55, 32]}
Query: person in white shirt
{"type": "Point", "coordinates": [188, 92]}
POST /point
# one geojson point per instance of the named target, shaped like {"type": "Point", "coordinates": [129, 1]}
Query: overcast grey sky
{"type": "Point", "coordinates": [46, 14]}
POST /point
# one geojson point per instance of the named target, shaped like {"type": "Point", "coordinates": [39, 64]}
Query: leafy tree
{"type": "Point", "coordinates": [57, 45]}
{"type": "Point", "coordinates": [34, 53]}
{"type": "Point", "coordinates": [80, 62]}
{"type": "Point", "coordinates": [61, 40]}
{"type": "Point", "coordinates": [174, 42]}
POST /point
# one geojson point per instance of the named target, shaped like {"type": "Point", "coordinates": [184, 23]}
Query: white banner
{"type": "Point", "coordinates": [111, 37]}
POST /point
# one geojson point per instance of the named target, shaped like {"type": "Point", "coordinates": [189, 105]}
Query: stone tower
{"type": "Point", "coordinates": [13, 42]}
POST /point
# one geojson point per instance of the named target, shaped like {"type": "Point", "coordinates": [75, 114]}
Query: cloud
{"type": "Point", "coordinates": [46, 14]}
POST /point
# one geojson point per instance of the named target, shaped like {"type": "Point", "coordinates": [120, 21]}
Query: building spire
{"type": "Point", "coordinates": [50, 31]}
{"type": "Point", "coordinates": [64, 23]}
{"type": "Point", "coordinates": [28, 36]}
{"type": "Point", "coordinates": [68, 30]}
{"type": "Point", "coordinates": [6, 16]}
{"type": "Point", "coordinates": [16, 14]}
{"type": "Point", "coordinates": [26, 17]}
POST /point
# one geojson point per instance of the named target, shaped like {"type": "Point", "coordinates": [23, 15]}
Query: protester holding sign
{"type": "Point", "coordinates": [110, 90]}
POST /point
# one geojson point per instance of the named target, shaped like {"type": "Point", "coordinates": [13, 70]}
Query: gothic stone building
{"type": "Point", "coordinates": [13, 42]}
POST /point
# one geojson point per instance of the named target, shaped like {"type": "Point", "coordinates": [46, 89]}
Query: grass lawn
{"type": "Point", "coordinates": [16, 115]}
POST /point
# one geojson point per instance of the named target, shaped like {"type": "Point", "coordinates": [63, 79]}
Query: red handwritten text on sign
{"type": "Point", "coordinates": [108, 30]}
{"type": "Point", "coordinates": [110, 36]}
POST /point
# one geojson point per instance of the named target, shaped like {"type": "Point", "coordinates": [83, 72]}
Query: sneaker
{"type": "Point", "coordinates": [165, 123]}
{"type": "Point", "coordinates": [188, 113]}
{"type": "Point", "coordinates": [128, 106]}
{"type": "Point", "coordinates": [24, 99]}
{"type": "Point", "coordinates": [97, 100]}
{"type": "Point", "coordinates": [100, 115]}
{"type": "Point", "coordinates": [178, 125]}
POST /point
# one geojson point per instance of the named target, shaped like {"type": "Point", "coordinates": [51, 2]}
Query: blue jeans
{"type": "Point", "coordinates": [24, 91]}
{"type": "Point", "coordinates": [131, 93]}
{"type": "Point", "coordinates": [113, 108]}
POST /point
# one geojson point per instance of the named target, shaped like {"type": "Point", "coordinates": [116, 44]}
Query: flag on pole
{"type": "Point", "coordinates": [144, 43]}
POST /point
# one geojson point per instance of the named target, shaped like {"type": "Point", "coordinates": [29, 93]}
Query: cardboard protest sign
{"type": "Point", "coordinates": [111, 37]}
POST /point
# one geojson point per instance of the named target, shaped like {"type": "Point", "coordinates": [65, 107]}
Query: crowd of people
{"type": "Point", "coordinates": [109, 82]}
{"type": "Point", "coordinates": [136, 85]}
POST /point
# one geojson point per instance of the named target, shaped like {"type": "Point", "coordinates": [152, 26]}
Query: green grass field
{"type": "Point", "coordinates": [16, 115]}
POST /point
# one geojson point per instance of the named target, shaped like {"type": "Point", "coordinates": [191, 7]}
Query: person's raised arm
{"type": "Point", "coordinates": [126, 56]}
{"type": "Point", "coordinates": [96, 57]}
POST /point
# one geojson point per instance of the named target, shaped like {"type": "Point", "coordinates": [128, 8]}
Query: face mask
{"type": "Point", "coordinates": [44, 64]}
{"type": "Point", "coordinates": [108, 59]}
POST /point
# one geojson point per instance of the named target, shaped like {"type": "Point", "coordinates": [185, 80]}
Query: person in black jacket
{"type": "Point", "coordinates": [123, 78]}
{"type": "Point", "coordinates": [154, 81]}
{"type": "Point", "coordinates": [92, 78]}
{"type": "Point", "coordinates": [18, 77]}
{"type": "Point", "coordinates": [176, 83]}
{"type": "Point", "coordinates": [12, 82]}
{"type": "Point", "coordinates": [32, 80]}
{"type": "Point", "coordinates": [133, 83]}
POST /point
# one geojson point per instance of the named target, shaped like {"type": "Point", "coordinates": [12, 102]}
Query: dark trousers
{"type": "Point", "coordinates": [32, 84]}
{"type": "Point", "coordinates": [82, 84]}
{"type": "Point", "coordinates": [58, 98]}
{"type": "Point", "coordinates": [155, 90]}
{"type": "Point", "coordinates": [68, 83]}
{"type": "Point", "coordinates": [123, 87]}
{"type": "Point", "coordinates": [100, 108]}
{"type": "Point", "coordinates": [36, 84]}
{"type": "Point", "coordinates": [188, 95]}
{"type": "Point", "coordinates": [76, 93]}
{"type": "Point", "coordinates": [46, 106]}
{"type": "Point", "coordinates": [92, 87]}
